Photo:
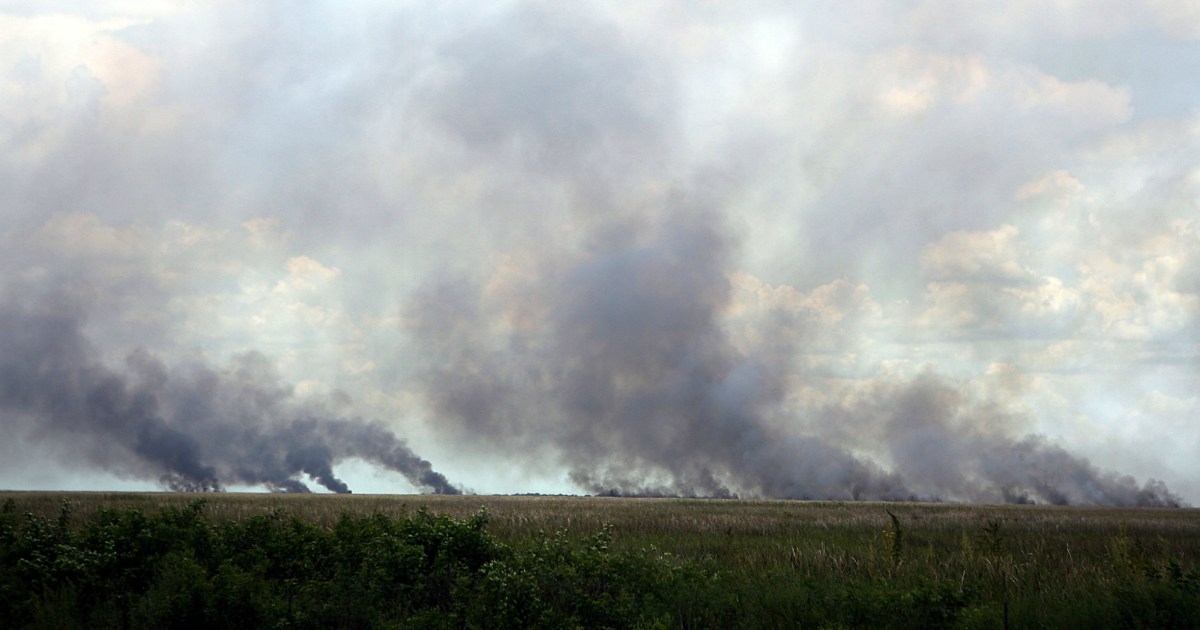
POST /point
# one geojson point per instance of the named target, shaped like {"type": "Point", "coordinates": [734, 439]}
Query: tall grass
{"type": "Point", "coordinates": [787, 563]}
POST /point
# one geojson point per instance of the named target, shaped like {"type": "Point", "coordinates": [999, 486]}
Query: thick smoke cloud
{"type": "Point", "coordinates": [194, 427]}
{"type": "Point", "coordinates": [612, 353]}
{"type": "Point", "coordinates": [627, 376]}
{"type": "Point", "coordinates": [753, 249]}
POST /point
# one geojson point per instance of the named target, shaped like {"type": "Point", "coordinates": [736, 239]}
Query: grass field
{"type": "Point", "coordinates": [787, 563]}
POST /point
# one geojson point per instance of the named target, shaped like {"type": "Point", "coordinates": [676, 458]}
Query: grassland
{"type": "Point", "coordinates": [785, 563]}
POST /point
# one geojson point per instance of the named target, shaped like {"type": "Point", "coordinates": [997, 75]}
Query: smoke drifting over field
{"type": "Point", "coordinates": [194, 427]}
{"type": "Point", "coordinates": [628, 377]}
{"type": "Point", "coordinates": [851, 251]}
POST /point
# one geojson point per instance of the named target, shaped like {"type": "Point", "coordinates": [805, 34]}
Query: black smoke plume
{"type": "Point", "coordinates": [193, 427]}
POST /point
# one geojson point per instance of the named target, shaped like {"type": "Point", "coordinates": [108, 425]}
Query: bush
{"type": "Point", "coordinates": [177, 569]}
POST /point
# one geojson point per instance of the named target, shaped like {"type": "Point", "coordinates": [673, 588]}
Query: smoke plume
{"type": "Point", "coordinates": [194, 427]}
{"type": "Point", "coordinates": [752, 249]}
{"type": "Point", "coordinates": [621, 366]}
{"type": "Point", "coordinates": [614, 352]}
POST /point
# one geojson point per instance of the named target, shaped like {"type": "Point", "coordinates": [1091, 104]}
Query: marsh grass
{"type": "Point", "coordinates": [788, 563]}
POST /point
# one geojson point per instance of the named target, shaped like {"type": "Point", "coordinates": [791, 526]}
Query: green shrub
{"type": "Point", "coordinates": [181, 566]}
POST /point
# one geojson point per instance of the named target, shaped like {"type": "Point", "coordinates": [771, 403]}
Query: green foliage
{"type": "Point", "coordinates": [175, 568]}
{"type": "Point", "coordinates": [680, 564]}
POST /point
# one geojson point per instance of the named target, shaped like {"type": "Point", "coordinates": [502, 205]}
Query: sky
{"type": "Point", "coordinates": [924, 249]}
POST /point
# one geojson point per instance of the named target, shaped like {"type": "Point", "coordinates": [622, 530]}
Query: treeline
{"type": "Point", "coordinates": [178, 567]}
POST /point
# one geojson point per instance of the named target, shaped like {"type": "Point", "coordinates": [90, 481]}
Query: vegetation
{"type": "Point", "coordinates": [322, 561]}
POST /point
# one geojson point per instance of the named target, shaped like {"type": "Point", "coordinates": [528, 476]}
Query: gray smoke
{"type": "Point", "coordinates": [610, 353]}
{"type": "Point", "coordinates": [194, 427]}
{"type": "Point", "coordinates": [945, 444]}
{"type": "Point", "coordinates": [627, 376]}
{"type": "Point", "coordinates": [502, 178]}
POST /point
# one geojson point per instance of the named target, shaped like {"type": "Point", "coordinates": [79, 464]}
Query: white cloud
{"type": "Point", "coordinates": [1177, 17]}
{"type": "Point", "coordinates": [59, 71]}
{"type": "Point", "coordinates": [992, 256]}
{"type": "Point", "coordinates": [1052, 185]}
